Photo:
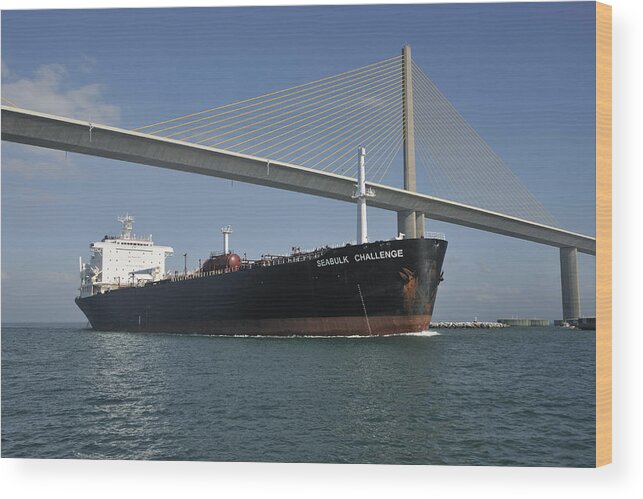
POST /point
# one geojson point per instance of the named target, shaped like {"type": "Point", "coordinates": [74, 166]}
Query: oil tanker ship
{"type": "Point", "coordinates": [369, 288]}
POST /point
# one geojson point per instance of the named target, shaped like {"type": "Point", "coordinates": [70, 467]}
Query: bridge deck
{"type": "Point", "coordinates": [56, 132]}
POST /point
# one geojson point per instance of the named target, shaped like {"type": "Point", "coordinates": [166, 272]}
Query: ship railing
{"type": "Point", "coordinates": [133, 238]}
{"type": "Point", "coordinates": [328, 246]}
{"type": "Point", "coordinates": [270, 260]}
{"type": "Point", "coordinates": [435, 235]}
{"type": "Point", "coordinates": [197, 274]}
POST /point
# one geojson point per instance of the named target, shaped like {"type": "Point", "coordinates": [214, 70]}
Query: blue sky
{"type": "Point", "coordinates": [522, 75]}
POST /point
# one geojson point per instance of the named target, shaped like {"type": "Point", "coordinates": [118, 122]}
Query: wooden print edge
{"type": "Point", "coordinates": [603, 234]}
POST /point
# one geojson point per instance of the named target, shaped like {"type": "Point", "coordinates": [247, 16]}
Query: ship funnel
{"type": "Point", "coordinates": [361, 193]}
{"type": "Point", "coordinates": [226, 231]}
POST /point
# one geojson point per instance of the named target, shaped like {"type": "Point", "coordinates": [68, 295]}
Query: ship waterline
{"type": "Point", "coordinates": [301, 326]}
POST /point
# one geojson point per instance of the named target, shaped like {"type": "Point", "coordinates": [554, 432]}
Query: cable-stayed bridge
{"type": "Point", "coordinates": [305, 139]}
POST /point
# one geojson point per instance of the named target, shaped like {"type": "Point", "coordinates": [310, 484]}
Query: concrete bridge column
{"type": "Point", "coordinates": [569, 283]}
{"type": "Point", "coordinates": [410, 223]}
{"type": "Point", "coordinates": [419, 224]}
{"type": "Point", "coordinates": [406, 223]}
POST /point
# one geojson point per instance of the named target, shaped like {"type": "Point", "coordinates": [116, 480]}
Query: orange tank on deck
{"type": "Point", "coordinates": [231, 261]}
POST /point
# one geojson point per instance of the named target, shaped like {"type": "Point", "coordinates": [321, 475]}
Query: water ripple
{"type": "Point", "coordinates": [506, 397]}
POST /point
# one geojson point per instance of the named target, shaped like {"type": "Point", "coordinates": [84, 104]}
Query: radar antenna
{"type": "Point", "coordinates": [127, 222]}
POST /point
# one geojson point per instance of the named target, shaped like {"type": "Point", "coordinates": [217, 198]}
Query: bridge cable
{"type": "Point", "coordinates": [303, 86]}
{"type": "Point", "coordinates": [504, 191]}
{"type": "Point", "coordinates": [253, 114]}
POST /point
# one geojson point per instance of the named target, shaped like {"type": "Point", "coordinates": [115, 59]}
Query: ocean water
{"type": "Point", "coordinates": [514, 397]}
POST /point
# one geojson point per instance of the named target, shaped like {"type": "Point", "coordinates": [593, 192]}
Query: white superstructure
{"type": "Point", "coordinates": [122, 261]}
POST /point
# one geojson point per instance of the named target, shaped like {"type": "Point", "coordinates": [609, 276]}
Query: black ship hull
{"type": "Point", "coordinates": [376, 288]}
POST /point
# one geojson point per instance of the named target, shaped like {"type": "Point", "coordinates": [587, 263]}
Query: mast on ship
{"type": "Point", "coordinates": [127, 223]}
{"type": "Point", "coordinates": [361, 193]}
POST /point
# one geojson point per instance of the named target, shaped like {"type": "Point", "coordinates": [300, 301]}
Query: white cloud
{"type": "Point", "coordinates": [5, 70]}
{"type": "Point", "coordinates": [49, 91]}
{"type": "Point", "coordinates": [87, 63]}
{"type": "Point", "coordinates": [36, 162]}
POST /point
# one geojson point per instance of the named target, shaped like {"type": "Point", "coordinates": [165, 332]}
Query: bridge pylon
{"type": "Point", "coordinates": [410, 223]}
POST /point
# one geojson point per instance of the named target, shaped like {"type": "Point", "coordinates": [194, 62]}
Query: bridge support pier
{"type": "Point", "coordinates": [569, 282]}
{"type": "Point", "coordinates": [410, 223]}
{"type": "Point", "coordinates": [406, 223]}
{"type": "Point", "coordinates": [419, 224]}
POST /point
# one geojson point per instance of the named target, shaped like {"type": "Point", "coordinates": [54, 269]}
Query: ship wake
{"type": "Point", "coordinates": [422, 334]}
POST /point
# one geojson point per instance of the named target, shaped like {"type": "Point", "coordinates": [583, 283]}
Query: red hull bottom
{"type": "Point", "coordinates": [306, 326]}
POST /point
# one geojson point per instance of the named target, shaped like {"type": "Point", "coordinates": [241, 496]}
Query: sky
{"type": "Point", "coordinates": [521, 74]}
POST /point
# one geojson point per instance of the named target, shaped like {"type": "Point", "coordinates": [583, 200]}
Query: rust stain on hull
{"type": "Point", "coordinates": [305, 326]}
